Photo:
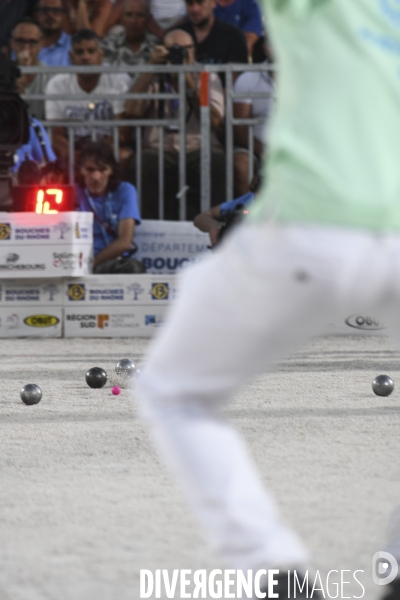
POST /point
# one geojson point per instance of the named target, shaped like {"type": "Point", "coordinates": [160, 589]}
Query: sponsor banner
{"type": "Point", "coordinates": [32, 292]}
{"type": "Point", "coordinates": [167, 246]}
{"type": "Point", "coordinates": [131, 290]}
{"type": "Point", "coordinates": [112, 321]}
{"type": "Point", "coordinates": [45, 261]}
{"type": "Point", "coordinates": [31, 321]}
{"type": "Point", "coordinates": [22, 229]}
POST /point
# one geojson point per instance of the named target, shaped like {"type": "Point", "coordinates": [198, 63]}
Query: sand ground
{"type": "Point", "coordinates": [85, 503]}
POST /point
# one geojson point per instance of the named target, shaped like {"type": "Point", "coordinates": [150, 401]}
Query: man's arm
{"type": "Point", "coordinates": [126, 230]}
{"type": "Point", "coordinates": [251, 39]}
{"type": "Point", "coordinates": [136, 108]}
{"type": "Point", "coordinates": [208, 221]}
{"type": "Point", "coordinates": [242, 110]}
{"type": "Point", "coordinates": [251, 25]}
{"type": "Point", "coordinates": [99, 22]}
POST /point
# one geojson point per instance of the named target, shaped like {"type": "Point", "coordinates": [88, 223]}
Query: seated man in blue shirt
{"type": "Point", "coordinates": [56, 43]}
{"type": "Point", "coordinates": [114, 206]}
{"type": "Point", "coordinates": [246, 15]}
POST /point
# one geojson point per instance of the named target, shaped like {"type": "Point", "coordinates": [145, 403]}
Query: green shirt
{"type": "Point", "coordinates": [334, 146]}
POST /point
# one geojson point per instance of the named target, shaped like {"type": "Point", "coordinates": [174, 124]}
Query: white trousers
{"type": "Point", "coordinates": [259, 296]}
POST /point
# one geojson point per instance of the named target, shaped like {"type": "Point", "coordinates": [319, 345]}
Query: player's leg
{"type": "Point", "coordinates": [258, 297]}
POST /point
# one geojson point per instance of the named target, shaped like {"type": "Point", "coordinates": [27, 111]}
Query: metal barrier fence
{"type": "Point", "coordinates": [179, 123]}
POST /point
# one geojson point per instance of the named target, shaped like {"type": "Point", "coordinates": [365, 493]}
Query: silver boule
{"type": "Point", "coordinates": [383, 385]}
{"type": "Point", "coordinates": [31, 394]}
{"type": "Point", "coordinates": [125, 367]}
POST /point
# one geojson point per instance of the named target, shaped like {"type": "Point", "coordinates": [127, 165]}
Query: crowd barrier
{"type": "Point", "coordinates": [178, 124]}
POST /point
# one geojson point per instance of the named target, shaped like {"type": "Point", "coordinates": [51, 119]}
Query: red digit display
{"type": "Point", "coordinates": [43, 206]}
{"type": "Point", "coordinates": [43, 200]}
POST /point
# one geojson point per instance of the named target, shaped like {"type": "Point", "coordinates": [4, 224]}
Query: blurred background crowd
{"type": "Point", "coordinates": [59, 33]}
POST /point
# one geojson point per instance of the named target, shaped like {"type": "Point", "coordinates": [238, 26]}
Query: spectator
{"type": "Point", "coordinates": [158, 109]}
{"type": "Point", "coordinates": [114, 206]}
{"type": "Point", "coordinates": [247, 108]}
{"type": "Point", "coordinates": [56, 43]}
{"type": "Point", "coordinates": [246, 15]}
{"type": "Point", "coordinates": [166, 14]}
{"type": "Point", "coordinates": [85, 50]}
{"type": "Point", "coordinates": [134, 44]}
{"type": "Point", "coordinates": [216, 42]}
{"type": "Point", "coordinates": [11, 12]}
{"type": "Point", "coordinates": [26, 42]}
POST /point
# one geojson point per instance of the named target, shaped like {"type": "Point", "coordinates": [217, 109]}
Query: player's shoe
{"type": "Point", "coordinates": [393, 591]}
{"type": "Point", "coordinates": [281, 588]}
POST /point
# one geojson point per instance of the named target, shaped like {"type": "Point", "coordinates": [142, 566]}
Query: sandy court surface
{"type": "Point", "coordinates": [85, 503]}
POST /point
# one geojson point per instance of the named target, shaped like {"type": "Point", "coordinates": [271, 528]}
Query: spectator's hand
{"type": "Point", "coordinates": [24, 58]}
{"type": "Point", "coordinates": [159, 56]}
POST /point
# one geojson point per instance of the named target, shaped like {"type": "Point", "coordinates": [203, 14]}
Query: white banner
{"type": "Point", "coordinates": [166, 246]}
{"type": "Point", "coordinates": [56, 245]}
{"type": "Point", "coordinates": [31, 321]}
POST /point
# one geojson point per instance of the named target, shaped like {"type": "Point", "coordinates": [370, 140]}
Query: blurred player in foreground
{"type": "Point", "coordinates": [322, 238]}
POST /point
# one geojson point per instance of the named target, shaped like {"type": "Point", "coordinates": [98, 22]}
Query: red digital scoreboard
{"type": "Point", "coordinates": [43, 200]}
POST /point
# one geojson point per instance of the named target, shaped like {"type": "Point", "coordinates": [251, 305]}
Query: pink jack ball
{"type": "Point", "coordinates": [116, 390]}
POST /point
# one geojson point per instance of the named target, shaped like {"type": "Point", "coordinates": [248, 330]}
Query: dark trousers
{"type": "Point", "coordinates": [120, 265]}
{"type": "Point", "coordinates": [149, 199]}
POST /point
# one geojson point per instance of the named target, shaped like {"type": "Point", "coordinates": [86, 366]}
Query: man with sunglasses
{"type": "Point", "coordinates": [217, 42]}
{"type": "Point", "coordinates": [26, 42]}
{"type": "Point", "coordinates": [11, 12]}
{"type": "Point", "coordinates": [56, 43]}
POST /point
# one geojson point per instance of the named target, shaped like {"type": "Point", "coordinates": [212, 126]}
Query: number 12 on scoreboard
{"type": "Point", "coordinates": [43, 206]}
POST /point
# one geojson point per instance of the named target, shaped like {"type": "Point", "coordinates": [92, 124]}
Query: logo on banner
{"type": "Point", "coordinates": [12, 321]}
{"type": "Point", "coordinates": [62, 228]}
{"type": "Point", "coordinates": [77, 230]}
{"type": "Point", "coordinates": [85, 321]}
{"type": "Point", "coordinates": [152, 320]}
{"type": "Point", "coordinates": [160, 291]}
{"type": "Point", "coordinates": [11, 261]}
{"type": "Point", "coordinates": [103, 321]}
{"type": "Point", "coordinates": [5, 231]}
{"type": "Point", "coordinates": [41, 321]}
{"type": "Point", "coordinates": [136, 290]}
{"type": "Point", "coordinates": [76, 291]}
{"type": "Point", "coordinates": [365, 323]}
{"type": "Point", "coordinates": [52, 289]}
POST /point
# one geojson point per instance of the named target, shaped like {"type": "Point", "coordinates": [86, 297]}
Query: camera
{"type": "Point", "coordinates": [177, 54]}
{"type": "Point", "coordinates": [14, 123]}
